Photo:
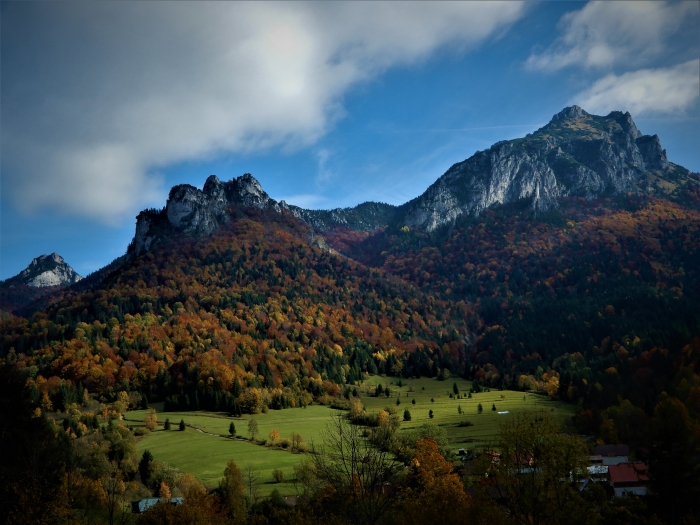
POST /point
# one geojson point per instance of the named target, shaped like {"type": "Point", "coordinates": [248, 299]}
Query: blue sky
{"type": "Point", "coordinates": [107, 105]}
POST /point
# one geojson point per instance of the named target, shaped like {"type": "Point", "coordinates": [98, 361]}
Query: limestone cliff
{"type": "Point", "coordinates": [576, 154]}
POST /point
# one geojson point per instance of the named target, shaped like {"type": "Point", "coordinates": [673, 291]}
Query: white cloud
{"type": "Point", "coordinates": [605, 34]}
{"type": "Point", "coordinates": [98, 96]}
{"type": "Point", "coordinates": [664, 90]}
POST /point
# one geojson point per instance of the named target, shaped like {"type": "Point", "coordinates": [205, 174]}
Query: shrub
{"type": "Point", "coordinates": [465, 424]}
{"type": "Point", "coordinates": [285, 443]}
{"type": "Point", "coordinates": [141, 431]}
{"type": "Point", "coordinates": [278, 475]}
{"type": "Point", "coordinates": [340, 404]}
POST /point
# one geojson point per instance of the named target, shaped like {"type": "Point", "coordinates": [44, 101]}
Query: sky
{"type": "Point", "coordinates": [104, 106]}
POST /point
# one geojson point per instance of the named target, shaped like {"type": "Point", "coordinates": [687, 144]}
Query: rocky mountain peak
{"type": "Point", "coordinates": [570, 113]}
{"type": "Point", "coordinates": [576, 154]}
{"type": "Point", "coordinates": [196, 212]}
{"type": "Point", "coordinates": [46, 270]}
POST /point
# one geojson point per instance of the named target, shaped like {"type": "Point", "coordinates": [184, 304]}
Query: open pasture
{"type": "Point", "coordinates": [205, 456]}
{"type": "Point", "coordinates": [486, 424]}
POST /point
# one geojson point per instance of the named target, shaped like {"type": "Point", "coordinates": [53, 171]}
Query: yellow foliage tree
{"type": "Point", "coordinates": [151, 419]}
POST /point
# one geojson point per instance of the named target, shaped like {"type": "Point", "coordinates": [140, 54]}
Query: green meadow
{"type": "Point", "coordinates": [205, 456]}
{"type": "Point", "coordinates": [486, 425]}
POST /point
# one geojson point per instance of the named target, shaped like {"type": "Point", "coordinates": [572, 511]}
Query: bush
{"type": "Point", "coordinates": [340, 404]}
{"type": "Point", "coordinates": [465, 424]}
{"type": "Point", "coordinates": [278, 475]}
{"type": "Point", "coordinates": [285, 443]}
{"type": "Point", "coordinates": [141, 431]}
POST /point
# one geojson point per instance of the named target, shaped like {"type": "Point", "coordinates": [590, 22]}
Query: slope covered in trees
{"type": "Point", "coordinates": [250, 317]}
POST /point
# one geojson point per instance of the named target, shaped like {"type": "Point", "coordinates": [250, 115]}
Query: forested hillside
{"type": "Point", "coordinates": [252, 316]}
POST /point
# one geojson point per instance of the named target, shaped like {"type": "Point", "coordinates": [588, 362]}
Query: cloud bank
{"type": "Point", "coordinates": [97, 97]}
{"type": "Point", "coordinates": [606, 34]}
{"type": "Point", "coordinates": [663, 90]}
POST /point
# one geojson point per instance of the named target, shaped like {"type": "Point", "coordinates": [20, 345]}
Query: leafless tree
{"type": "Point", "coordinates": [251, 477]}
{"type": "Point", "coordinates": [348, 464]}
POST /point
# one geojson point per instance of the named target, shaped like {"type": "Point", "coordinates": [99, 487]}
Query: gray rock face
{"type": "Point", "coordinates": [197, 212]}
{"type": "Point", "coordinates": [576, 154]}
{"type": "Point", "coordinates": [47, 270]}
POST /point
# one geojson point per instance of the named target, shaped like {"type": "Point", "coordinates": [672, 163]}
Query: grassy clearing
{"type": "Point", "coordinates": [205, 456]}
{"type": "Point", "coordinates": [486, 425]}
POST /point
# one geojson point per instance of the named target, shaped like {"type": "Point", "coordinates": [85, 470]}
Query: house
{"type": "Point", "coordinates": [598, 472]}
{"type": "Point", "coordinates": [629, 478]}
{"type": "Point", "coordinates": [142, 505]}
{"type": "Point", "coordinates": [612, 454]}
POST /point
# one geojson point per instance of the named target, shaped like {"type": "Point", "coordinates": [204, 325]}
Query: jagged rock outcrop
{"type": "Point", "coordinates": [44, 271]}
{"type": "Point", "coordinates": [197, 212]}
{"type": "Point", "coordinates": [576, 154]}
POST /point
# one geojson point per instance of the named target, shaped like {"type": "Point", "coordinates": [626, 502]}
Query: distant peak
{"type": "Point", "coordinates": [47, 270]}
{"type": "Point", "coordinates": [570, 113]}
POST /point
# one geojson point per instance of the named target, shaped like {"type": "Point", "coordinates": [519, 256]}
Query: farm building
{"type": "Point", "coordinates": [612, 454]}
{"type": "Point", "coordinates": [629, 478]}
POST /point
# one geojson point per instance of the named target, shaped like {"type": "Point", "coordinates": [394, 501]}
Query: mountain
{"type": "Point", "coordinates": [565, 261]}
{"type": "Point", "coordinates": [575, 154]}
{"type": "Point", "coordinates": [45, 271]}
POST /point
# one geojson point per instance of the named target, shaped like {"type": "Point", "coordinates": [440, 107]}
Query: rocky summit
{"type": "Point", "coordinates": [44, 271]}
{"type": "Point", "coordinates": [575, 154]}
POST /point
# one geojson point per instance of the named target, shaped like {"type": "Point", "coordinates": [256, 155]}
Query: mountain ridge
{"type": "Point", "coordinates": [575, 154]}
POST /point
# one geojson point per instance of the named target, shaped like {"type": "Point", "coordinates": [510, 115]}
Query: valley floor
{"type": "Point", "coordinates": [204, 448]}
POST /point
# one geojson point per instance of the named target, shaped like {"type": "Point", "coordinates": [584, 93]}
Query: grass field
{"type": "Point", "coordinates": [205, 456]}
{"type": "Point", "coordinates": [445, 413]}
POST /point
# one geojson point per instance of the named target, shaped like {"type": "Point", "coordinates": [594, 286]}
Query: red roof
{"type": "Point", "coordinates": [628, 472]}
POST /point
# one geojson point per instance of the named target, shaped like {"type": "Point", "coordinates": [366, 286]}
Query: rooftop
{"type": "Point", "coordinates": [628, 472]}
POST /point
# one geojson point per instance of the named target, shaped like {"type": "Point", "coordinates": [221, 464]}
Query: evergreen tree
{"type": "Point", "coordinates": [145, 466]}
{"type": "Point", "coordinates": [455, 389]}
{"type": "Point", "coordinates": [406, 415]}
{"type": "Point", "coordinates": [430, 414]}
{"type": "Point", "coordinates": [413, 401]}
{"type": "Point", "coordinates": [167, 424]}
{"type": "Point", "coordinates": [493, 407]}
{"type": "Point", "coordinates": [182, 425]}
{"type": "Point", "coordinates": [232, 429]}
{"type": "Point", "coordinates": [480, 408]}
